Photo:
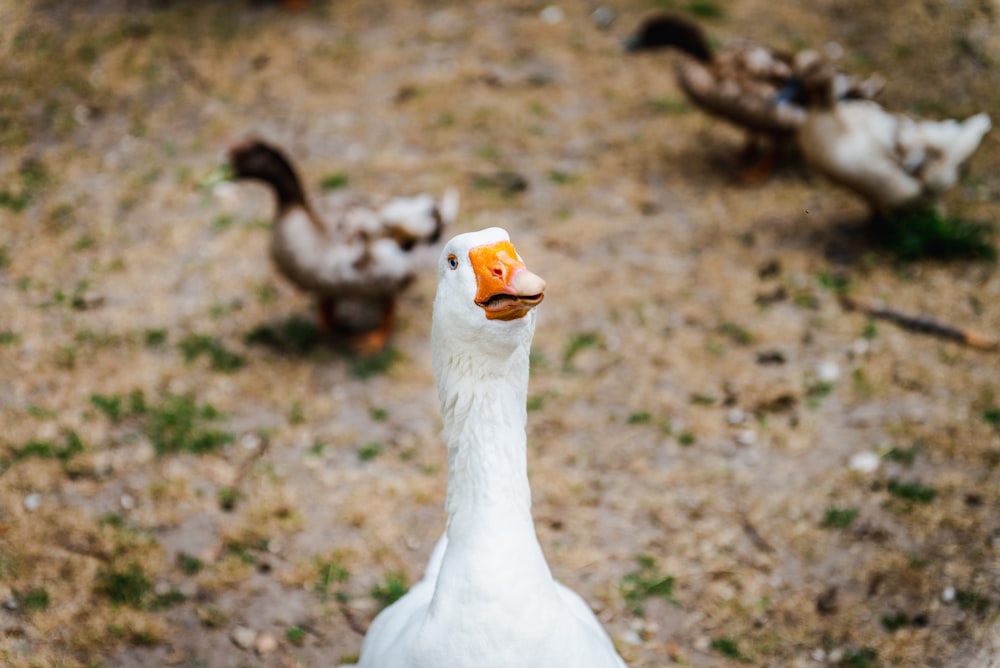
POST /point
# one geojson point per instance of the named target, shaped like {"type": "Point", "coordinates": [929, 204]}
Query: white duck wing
{"type": "Point", "coordinates": [579, 609]}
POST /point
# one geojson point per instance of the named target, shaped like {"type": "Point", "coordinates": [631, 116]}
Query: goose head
{"type": "Point", "coordinates": [486, 296]}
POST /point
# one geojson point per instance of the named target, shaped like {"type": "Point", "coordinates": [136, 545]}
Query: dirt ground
{"type": "Point", "coordinates": [188, 479]}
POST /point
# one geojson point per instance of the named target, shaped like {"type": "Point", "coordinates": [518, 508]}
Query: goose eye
{"type": "Point", "coordinates": [453, 262]}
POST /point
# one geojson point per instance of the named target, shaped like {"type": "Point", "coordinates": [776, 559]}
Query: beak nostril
{"type": "Point", "coordinates": [499, 270]}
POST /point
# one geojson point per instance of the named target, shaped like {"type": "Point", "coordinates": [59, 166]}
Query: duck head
{"type": "Point", "coordinates": [667, 30]}
{"type": "Point", "coordinates": [254, 159]}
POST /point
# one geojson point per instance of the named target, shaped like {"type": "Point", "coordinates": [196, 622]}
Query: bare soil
{"type": "Point", "coordinates": [698, 391]}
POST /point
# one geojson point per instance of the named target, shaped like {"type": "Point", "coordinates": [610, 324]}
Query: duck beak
{"type": "Point", "coordinates": [505, 289]}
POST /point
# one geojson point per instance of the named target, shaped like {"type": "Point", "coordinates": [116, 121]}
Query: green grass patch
{"type": "Point", "coordinates": [330, 572]}
{"type": "Point", "coordinates": [576, 343]}
{"type": "Point", "coordinates": [194, 346]}
{"type": "Point", "coordinates": [729, 648]}
{"type": "Point", "coordinates": [992, 416]}
{"type": "Point", "coordinates": [645, 583]}
{"type": "Point", "coordinates": [379, 414]}
{"type": "Point", "coordinates": [912, 491]}
{"type": "Point", "coordinates": [72, 445]}
{"type": "Point", "coordinates": [895, 621]}
{"type": "Point", "coordinates": [839, 518]}
{"type": "Point", "coordinates": [970, 601]}
{"type": "Point", "coordinates": [924, 233]}
{"type": "Point", "coordinates": [154, 338]}
{"type": "Point", "coordinates": [128, 587]}
{"type": "Point", "coordinates": [9, 338]}
{"type": "Point", "coordinates": [369, 451]}
{"type": "Point", "coordinates": [180, 424]}
{"type": "Point", "coordinates": [736, 333]}
{"type": "Point", "coordinates": [375, 365]}
{"type": "Point", "coordinates": [295, 335]}
{"type": "Point", "coordinates": [334, 181]}
{"type": "Point", "coordinates": [687, 439]}
{"type": "Point", "coordinates": [905, 456]}
{"type": "Point", "coordinates": [390, 590]}
{"type": "Point", "coordinates": [32, 600]}
{"type": "Point", "coordinates": [642, 417]}
{"type": "Point", "coordinates": [866, 657]}
{"type": "Point", "coordinates": [296, 635]}
{"type": "Point", "coordinates": [704, 9]}
{"type": "Point", "coordinates": [228, 497]}
{"type": "Point", "coordinates": [189, 564]}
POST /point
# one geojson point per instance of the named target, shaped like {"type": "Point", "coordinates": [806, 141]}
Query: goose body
{"type": "Point", "coordinates": [746, 83]}
{"type": "Point", "coordinates": [488, 598]}
{"type": "Point", "coordinates": [889, 159]}
{"type": "Point", "coordinates": [346, 246]}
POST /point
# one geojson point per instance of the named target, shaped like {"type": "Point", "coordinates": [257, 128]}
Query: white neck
{"type": "Point", "coordinates": [490, 530]}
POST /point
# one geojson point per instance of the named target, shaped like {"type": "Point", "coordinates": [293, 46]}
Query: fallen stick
{"type": "Point", "coordinates": [923, 324]}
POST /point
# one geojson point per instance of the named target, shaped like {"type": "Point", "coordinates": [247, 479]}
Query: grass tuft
{"type": "Point", "coordinates": [924, 233]}
{"type": "Point", "coordinates": [839, 518]}
{"type": "Point", "coordinates": [912, 491]}
{"type": "Point", "coordinates": [293, 336]}
{"type": "Point", "coordinates": [729, 648]}
{"type": "Point", "coordinates": [577, 343]}
{"type": "Point", "coordinates": [377, 364]}
{"type": "Point", "coordinates": [646, 583]}
{"type": "Point", "coordinates": [128, 587]}
{"type": "Point", "coordinates": [390, 590]}
{"type": "Point", "coordinates": [196, 345]}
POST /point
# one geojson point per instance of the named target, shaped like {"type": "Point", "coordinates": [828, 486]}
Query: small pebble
{"type": "Point", "coordinates": [631, 637]}
{"type": "Point", "coordinates": [746, 437]}
{"type": "Point", "coordinates": [827, 372]}
{"type": "Point", "coordinates": [251, 440]}
{"type": "Point", "coordinates": [735, 416]}
{"type": "Point", "coordinates": [32, 501]}
{"type": "Point", "coordinates": [243, 637]}
{"type": "Point", "coordinates": [10, 603]}
{"type": "Point", "coordinates": [603, 17]}
{"type": "Point", "coordinates": [552, 15]}
{"type": "Point", "coordinates": [865, 462]}
{"type": "Point", "coordinates": [266, 643]}
{"type": "Point", "coordinates": [819, 655]}
{"type": "Point", "coordinates": [162, 588]}
{"type": "Point", "coordinates": [127, 501]}
{"type": "Point", "coordinates": [860, 347]}
{"type": "Point", "coordinates": [948, 595]}
{"type": "Point", "coordinates": [836, 656]}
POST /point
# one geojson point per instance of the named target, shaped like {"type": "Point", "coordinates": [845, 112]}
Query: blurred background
{"type": "Point", "coordinates": [729, 465]}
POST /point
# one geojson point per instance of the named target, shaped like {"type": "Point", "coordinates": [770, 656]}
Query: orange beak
{"type": "Point", "coordinates": [506, 290]}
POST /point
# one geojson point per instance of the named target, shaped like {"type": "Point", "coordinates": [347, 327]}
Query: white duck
{"type": "Point", "coordinates": [488, 599]}
{"type": "Point", "coordinates": [889, 159]}
{"type": "Point", "coordinates": [346, 247]}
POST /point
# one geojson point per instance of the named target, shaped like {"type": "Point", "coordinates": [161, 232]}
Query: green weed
{"type": "Point", "coordinates": [912, 491]}
{"type": "Point", "coordinates": [728, 648]}
{"type": "Point", "coordinates": [390, 589]}
{"type": "Point", "coordinates": [925, 233]}
{"type": "Point", "coordinates": [194, 346]}
{"type": "Point", "coordinates": [839, 518]}
{"type": "Point", "coordinates": [334, 181]}
{"type": "Point", "coordinates": [576, 343]}
{"type": "Point", "coordinates": [645, 583]}
{"type": "Point", "coordinates": [295, 335]}
{"type": "Point", "coordinates": [32, 600]}
{"type": "Point", "coordinates": [128, 587]}
{"type": "Point", "coordinates": [377, 364]}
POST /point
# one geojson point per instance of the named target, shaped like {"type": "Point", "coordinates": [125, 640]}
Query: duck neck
{"type": "Point", "coordinates": [283, 180]}
{"type": "Point", "coordinates": [483, 403]}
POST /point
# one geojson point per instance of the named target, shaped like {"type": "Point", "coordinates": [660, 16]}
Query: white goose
{"type": "Point", "coordinates": [488, 599]}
